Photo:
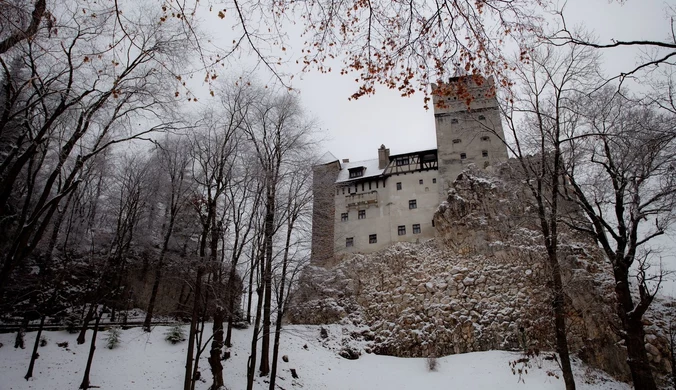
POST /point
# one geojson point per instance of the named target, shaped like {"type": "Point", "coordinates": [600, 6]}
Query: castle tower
{"type": "Point", "coordinates": [468, 127]}
{"type": "Point", "coordinates": [324, 175]}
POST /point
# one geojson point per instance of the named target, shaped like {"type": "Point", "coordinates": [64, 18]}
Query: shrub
{"type": "Point", "coordinates": [43, 341]}
{"type": "Point", "coordinates": [72, 322]}
{"type": "Point", "coordinates": [432, 363]}
{"type": "Point", "coordinates": [175, 334]}
{"type": "Point", "coordinates": [240, 324]}
{"type": "Point", "coordinates": [113, 339]}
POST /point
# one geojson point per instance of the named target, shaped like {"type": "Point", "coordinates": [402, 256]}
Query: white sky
{"type": "Point", "coordinates": [355, 129]}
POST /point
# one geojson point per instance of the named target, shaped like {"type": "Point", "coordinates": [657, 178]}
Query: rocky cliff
{"type": "Point", "coordinates": [481, 284]}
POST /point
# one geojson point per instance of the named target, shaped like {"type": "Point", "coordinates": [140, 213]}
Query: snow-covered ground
{"type": "Point", "coordinates": [146, 361]}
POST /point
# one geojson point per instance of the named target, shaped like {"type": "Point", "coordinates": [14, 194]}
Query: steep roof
{"type": "Point", "coordinates": [370, 170]}
{"type": "Point", "coordinates": [328, 157]}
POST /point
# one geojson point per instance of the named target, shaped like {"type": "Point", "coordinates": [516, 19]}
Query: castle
{"type": "Point", "coordinates": [364, 206]}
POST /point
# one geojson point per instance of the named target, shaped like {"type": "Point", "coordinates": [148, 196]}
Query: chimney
{"type": "Point", "coordinates": [383, 157]}
{"type": "Point", "coordinates": [346, 160]}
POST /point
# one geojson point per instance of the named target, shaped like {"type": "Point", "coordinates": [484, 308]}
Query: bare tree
{"type": "Point", "coordinates": [174, 160]}
{"type": "Point", "coordinates": [132, 193]}
{"type": "Point", "coordinates": [246, 193]}
{"type": "Point", "coordinates": [655, 53]}
{"type": "Point", "coordinates": [214, 155]}
{"type": "Point", "coordinates": [278, 132]}
{"type": "Point", "coordinates": [672, 347]}
{"type": "Point", "coordinates": [623, 178]}
{"type": "Point", "coordinates": [540, 121]}
{"type": "Point", "coordinates": [71, 97]}
{"type": "Point", "coordinates": [298, 200]}
{"type": "Point", "coordinates": [17, 25]}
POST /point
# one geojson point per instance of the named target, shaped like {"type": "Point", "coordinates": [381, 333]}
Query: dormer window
{"type": "Point", "coordinates": [429, 157]}
{"type": "Point", "coordinates": [482, 118]}
{"type": "Point", "coordinates": [356, 172]}
{"type": "Point", "coordinates": [402, 161]}
{"type": "Point", "coordinates": [485, 138]}
{"type": "Point", "coordinates": [457, 141]}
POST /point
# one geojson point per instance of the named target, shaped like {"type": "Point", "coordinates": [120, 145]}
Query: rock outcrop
{"type": "Point", "coordinates": [481, 284]}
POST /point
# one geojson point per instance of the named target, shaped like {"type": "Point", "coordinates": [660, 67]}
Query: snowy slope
{"type": "Point", "coordinates": [145, 361]}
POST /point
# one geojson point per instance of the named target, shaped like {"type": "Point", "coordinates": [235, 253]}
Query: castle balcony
{"type": "Point", "coordinates": [363, 200]}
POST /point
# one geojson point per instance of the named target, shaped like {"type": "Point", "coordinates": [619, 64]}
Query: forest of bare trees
{"type": "Point", "coordinates": [114, 197]}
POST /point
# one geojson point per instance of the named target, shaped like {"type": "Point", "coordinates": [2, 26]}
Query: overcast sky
{"type": "Point", "coordinates": [355, 129]}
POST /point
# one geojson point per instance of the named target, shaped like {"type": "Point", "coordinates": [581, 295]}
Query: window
{"type": "Point", "coordinates": [463, 156]}
{"type": "Point", "coordinates": [361, 214]}
{"type": "Point", "coordinates": [430, 157]}
{"type": "Point", "coordinates": [412, 204]}
{"type": "Point", "coordinates": [485, 138]}
{"type": "Point", "coordinates": [349, 242]}
{"type": "Point", "coordinates": [454, 120]}
{"type": "Point", "coordinates": [401, 230]}
{"type": "Point", "coordinates": [343, 217]}
{"type": "Point", "coordinates": [356, 172]}
{"type": "Point", "coordinates": [349, 190]}
{"type": "Point", "coordinates": [484, 153]}
{"type": "Point", "coordinates": [416, 228]}
{"type": "Point", "coordinates": [402, 161]}
{"type": "Point", "coordinates": [434, 181]}
{"type": "Point", "coordinates": [399, 186]}
{"type": "Point", "coordinates": [482, 118]}
{"type": "Point", "coordinates": [432, 223]}
{"type": "Point", "coordinates": [369, 185]}
{"type": "Point", "coordinates": [457, 141]}
{"type": "Point", "coordinates": [373, 238]}
{"type": "Point", "coordinates": [362, 186]}
{"type": "Point", "coordinates": [420, 181]}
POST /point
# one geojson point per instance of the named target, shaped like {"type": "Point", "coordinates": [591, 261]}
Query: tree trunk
{"type": "Point", "coordinates": [634, 334]}
{"type": "Point", "coordinates": [158, 271]}
{"type": "Point", "coordinates": [85, 324]}
{"type": "Point", "coordinates": [19, 339]}
{"type": "Point", "coordinates": [228, 333]}
{"type": "Point", "coordinates": [267, 308]}
{"type": "Point", "coordinates": [85, 380]}
{"type": "Point", "coordinates": [199, 336]}
{"type": "Point", "coordinates": [281, 307]}
{"type": "Point", "coordinates": [231, 303]}
{"type": "Point", "coordinates": [153, 298]}
{"type": "Point", "coordinates": [672, 350]}
{"type": "Point", "coordinates": [560, 325]}
{"type": "Point", "coordinates": [639, 365]}
{"type": "Point", "coordinates": [35, 355]}
{"type": "Point", "coordinates": [193, 327]}
{"type": "Point", "coordinates": [216, 347]}
{"type": "Point", "coordinates": [267, 280]}
{"type": "Point", "coordinates": [250, 291]}
{"type": "Point", "coordinates": [251, 366]}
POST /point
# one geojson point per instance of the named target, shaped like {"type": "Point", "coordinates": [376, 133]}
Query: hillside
{"type": "Point", "coordinates": [145, 361]}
